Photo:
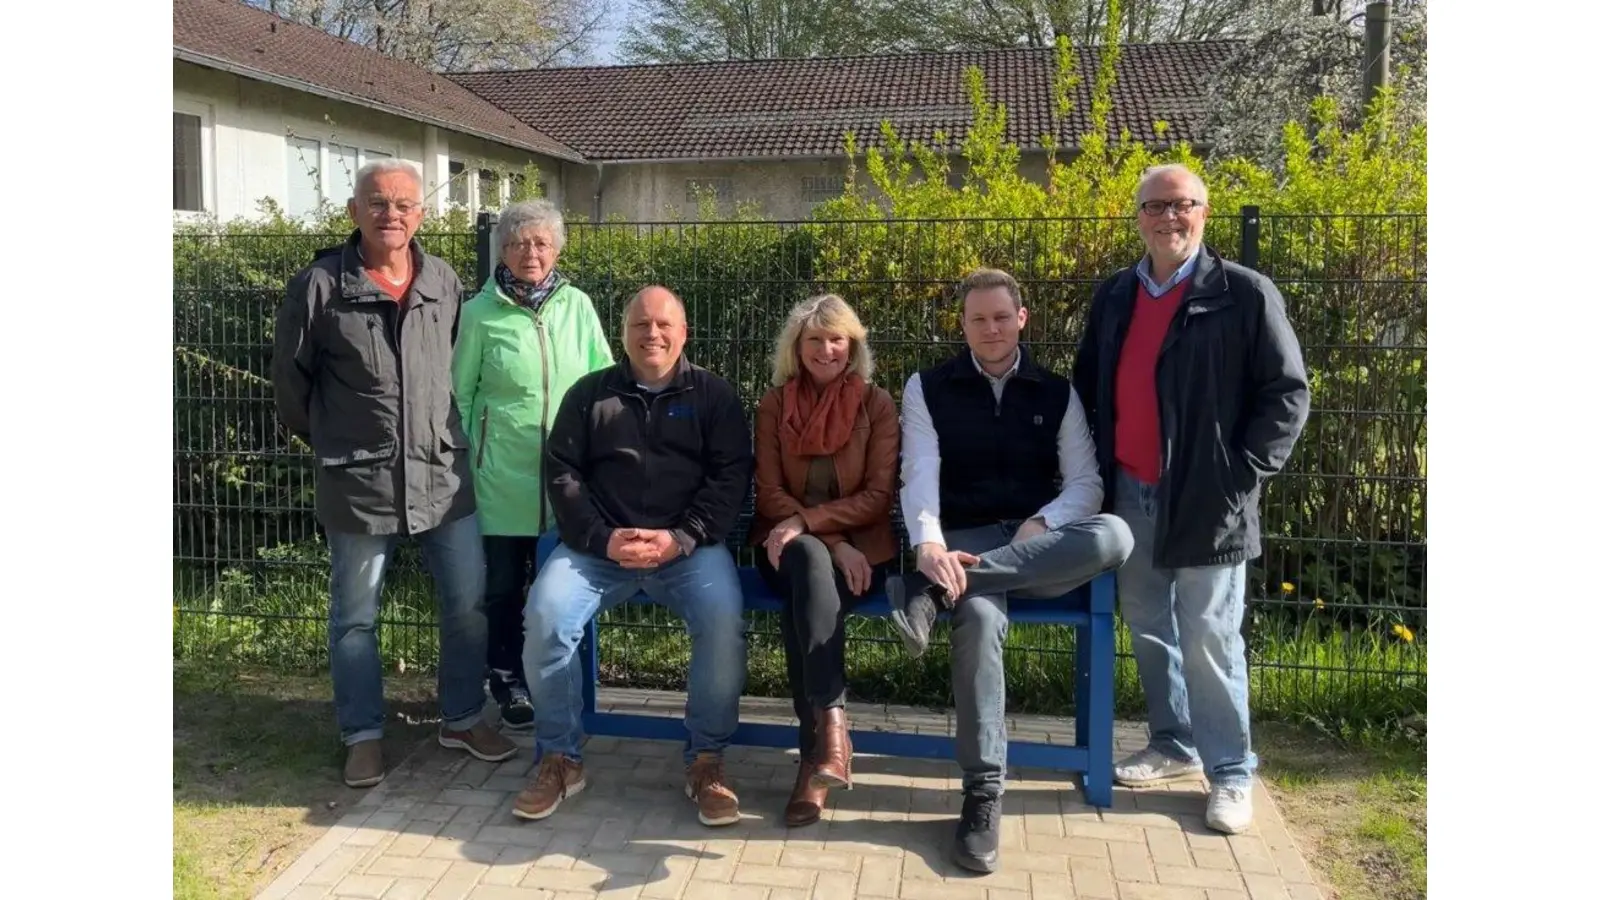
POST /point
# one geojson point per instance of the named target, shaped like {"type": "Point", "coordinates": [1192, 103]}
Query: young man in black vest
{"type": "Point", "coordinates": [1001, 495]}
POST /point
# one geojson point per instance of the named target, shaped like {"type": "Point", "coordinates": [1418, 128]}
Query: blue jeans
{"type": "Point", "coordinates": [1188, 648]}
{"type": "Point", "coordinates": [572, 588]}
{"type": "Point", "coordinates": [1044, 566]}
{"type": "Point", "coordinates": [453, 553]}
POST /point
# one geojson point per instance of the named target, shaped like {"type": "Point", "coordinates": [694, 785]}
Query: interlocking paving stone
{"type": "Point", "coordinates": [440, 826]}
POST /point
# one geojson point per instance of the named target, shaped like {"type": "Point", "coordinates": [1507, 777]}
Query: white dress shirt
{"type": "Point", "coordinates": [1081, 491]}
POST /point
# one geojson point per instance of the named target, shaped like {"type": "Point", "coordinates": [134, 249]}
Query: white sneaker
{"type": "Point", "coordinates": [1228, 809]}
{"type": "Point", "coordinates": [1151, 766]}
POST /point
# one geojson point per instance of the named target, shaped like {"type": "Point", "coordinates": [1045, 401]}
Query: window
{"type": "Point", "coordinates": [817, 188]}
{"type": "Point", "coordinates": [722, 187]}
{"type": "Point", "coordinates": [343, 163]}
{"type": "Point", "coordinates": [458, 193]}
{"type": "Point", "coordinates": [188, 183]}
{"type": "Point", "coordinates": [304, 162]}
{"type": "Point", "coordinates": [695, 188]}
{"type": "Point", "coordinates": [520, 190]}
{"type": "Point", "coordinates": [488, 189]}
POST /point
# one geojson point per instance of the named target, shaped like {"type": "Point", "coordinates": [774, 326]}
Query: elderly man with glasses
{"type": "Point", "coordinates": [361, 374]}
{"type": "Point", "coordinates": [1195, 390]}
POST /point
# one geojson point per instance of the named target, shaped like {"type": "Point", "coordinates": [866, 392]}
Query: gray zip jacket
{"type": "Point", "coordinates": [365, 381]}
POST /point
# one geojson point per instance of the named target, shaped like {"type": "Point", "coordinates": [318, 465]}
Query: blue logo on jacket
{"type": "Point", "coordinates": [680, 411]}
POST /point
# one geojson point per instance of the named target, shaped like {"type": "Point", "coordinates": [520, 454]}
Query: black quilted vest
{"type": "Point", "coordinates": [996, 460]}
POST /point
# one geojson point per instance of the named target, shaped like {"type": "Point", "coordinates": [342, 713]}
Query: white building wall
{"type": "Point", "coordinates": [247, 125]}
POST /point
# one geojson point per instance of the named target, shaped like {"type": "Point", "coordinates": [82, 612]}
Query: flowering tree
{"type": "Point", "coordinates": [1274, 77]}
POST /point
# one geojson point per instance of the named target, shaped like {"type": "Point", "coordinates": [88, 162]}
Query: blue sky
{"type": "Point", "coordinates": [611, 27]}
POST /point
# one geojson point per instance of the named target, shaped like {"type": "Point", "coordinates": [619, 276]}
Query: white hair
{"type": "Point", "coordinates": [379, 166]}
{"type": "Point", "coordinates": [525, 214]}
{"type": "Point", "coordinates": [1155, 172]}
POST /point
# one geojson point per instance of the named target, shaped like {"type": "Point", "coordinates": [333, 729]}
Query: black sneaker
{"type": "Point", "coordinates": [978, 836]}
{"type": "Point", "coordinates": [913, 609]}
{"type": "Point", "coordinates": [517, 711]}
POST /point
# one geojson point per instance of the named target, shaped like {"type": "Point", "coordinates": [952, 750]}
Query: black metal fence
{"type": "Point", "coordinates": [1337, 602]}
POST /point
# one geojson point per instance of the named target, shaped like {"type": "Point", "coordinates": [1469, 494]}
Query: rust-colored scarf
{"type": "Point", "coordinates": [819, 423]}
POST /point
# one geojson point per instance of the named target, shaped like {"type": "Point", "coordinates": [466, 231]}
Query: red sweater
{"type": "Point", "coordinates": [1138, 413]}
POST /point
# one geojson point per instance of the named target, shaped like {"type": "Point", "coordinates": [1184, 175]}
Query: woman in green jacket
{"type": "Point", "coordinates": [522, 342]}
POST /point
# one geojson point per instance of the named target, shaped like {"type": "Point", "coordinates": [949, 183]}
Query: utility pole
{"type": "Point", "coordinates": [1375, 61]}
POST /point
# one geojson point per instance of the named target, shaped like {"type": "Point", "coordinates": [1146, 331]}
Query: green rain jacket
{"type": "Point", "coordinates": [511, 368]}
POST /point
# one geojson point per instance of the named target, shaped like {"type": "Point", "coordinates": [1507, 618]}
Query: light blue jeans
{"type": "Point", "coordinates": [1188, 648]}
{"type": "Point", "coordinates": [453, 553]}
{"type": "Point", "coordinates": [573, 587]}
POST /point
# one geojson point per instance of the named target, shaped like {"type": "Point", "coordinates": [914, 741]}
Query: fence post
{"type": "Point", "coordinates": [486, 248]}
{"type": "Point", "coordinates": [1250, 258]}
{"type": "Point", "coordinates": [1250, 237]}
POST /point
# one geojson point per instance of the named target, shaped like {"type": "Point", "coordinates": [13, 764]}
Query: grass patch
{"type": "Point", "coordinates": [256, 770]}
{"type": "Point", "coordinates": [1310, 668]}
{"type": "Point", "coordinates": [1357, 804]}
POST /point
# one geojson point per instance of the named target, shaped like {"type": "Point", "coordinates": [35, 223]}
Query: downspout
{"type": "Point", "coordinates": [599, 190]}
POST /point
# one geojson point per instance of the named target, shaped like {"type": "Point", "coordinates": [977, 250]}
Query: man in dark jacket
{"type": "Point", "coordinates": [649, 464]}
{"type": "Point", "coordinates": [1196, 392]}
{"type": "Point", "coordinates": [361, 373]}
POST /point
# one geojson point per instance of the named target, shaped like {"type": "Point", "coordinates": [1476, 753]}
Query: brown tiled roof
{"type": "Point", "coordinates": [802, 107]}
{"type": "Point", "coordinates": [228, 35]}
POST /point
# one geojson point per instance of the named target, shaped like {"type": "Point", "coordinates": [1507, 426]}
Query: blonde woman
{"type": "Point", "coordinates": [827, 446]}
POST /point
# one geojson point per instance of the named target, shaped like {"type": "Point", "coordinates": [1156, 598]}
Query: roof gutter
{"type": "Point", "coordinates": [213, 62]}
{"type": "Point", "coordinates": [953, 152]}
{"type": "Point", "coordinates": [659, 160]}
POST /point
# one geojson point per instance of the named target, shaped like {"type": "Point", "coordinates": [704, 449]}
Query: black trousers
{"type": "Point", "coordinates": [512, 564]}
{"type": "Point", "coordinates": [816, 600]}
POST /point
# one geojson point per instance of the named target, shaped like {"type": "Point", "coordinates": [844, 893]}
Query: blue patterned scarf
{"type": "Point", "coordinates": [530, 295]}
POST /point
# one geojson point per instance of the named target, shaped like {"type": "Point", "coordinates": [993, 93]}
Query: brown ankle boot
{"type": "Point", "coordinates": [807, 798]}
{"type": "Point", "coordinates": [833, 749]}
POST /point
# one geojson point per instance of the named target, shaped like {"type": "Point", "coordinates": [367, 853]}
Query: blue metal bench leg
{"type": "Point", "coordinates": [589, 653]}
{"type": "Point", "coordinates": [1080, 691]}
{"type": "Point", "coordinates": [1097, 709]}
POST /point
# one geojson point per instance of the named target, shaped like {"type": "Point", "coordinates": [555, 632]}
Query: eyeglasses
{"type": "Point", "coordinates": [378, 205]}
{"type": "Point", "coordinates": [524, 245]}
{"type": "Point", "coordinates": [1154, 208]}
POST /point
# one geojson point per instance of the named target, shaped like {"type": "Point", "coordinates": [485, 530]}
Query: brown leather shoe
{"type": "Point", "coordinates": [480, 740]}
{"type": "Point", "coordinates": [833, 748]}
{"type": "Point", "coordinates": [707, 786]}
{"type": "Point", "coordinates": [363, 763]}
{"type": "Point", "coordinates": [807, 798]}
{"type": "Point", "coordinates": [557, 779]}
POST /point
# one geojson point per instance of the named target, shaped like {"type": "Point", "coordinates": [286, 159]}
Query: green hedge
{"type": "Point", "coordinates": [1343, 234]}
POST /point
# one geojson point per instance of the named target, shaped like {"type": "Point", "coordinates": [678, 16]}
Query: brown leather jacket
{"type": "Point", "coordinates": [866, 467]}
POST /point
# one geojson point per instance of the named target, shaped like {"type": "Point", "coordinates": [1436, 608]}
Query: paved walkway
{"type": "Point", "coordinates": [440, 826]}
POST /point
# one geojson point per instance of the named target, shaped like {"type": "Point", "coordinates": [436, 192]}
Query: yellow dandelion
{"type": "Point", "coordinates": [1403, 633]}
{"type": "Point", "coordinates": [1288, 588]}
{"type": "Point", "coordinates": [1318, 603]}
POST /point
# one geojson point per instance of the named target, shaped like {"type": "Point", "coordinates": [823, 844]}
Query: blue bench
{"type": "Point", "coordinates": [1089, 609]}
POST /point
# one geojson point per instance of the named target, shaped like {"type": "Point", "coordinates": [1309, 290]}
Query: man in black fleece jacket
{"type": "Point", "coordinates": [649, 462]}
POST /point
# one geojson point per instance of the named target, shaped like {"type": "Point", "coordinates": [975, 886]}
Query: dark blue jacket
{"type": "Point", "coordinates": [619, 456]}
{"type": "Point", "coordinates": [1232, 389]}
